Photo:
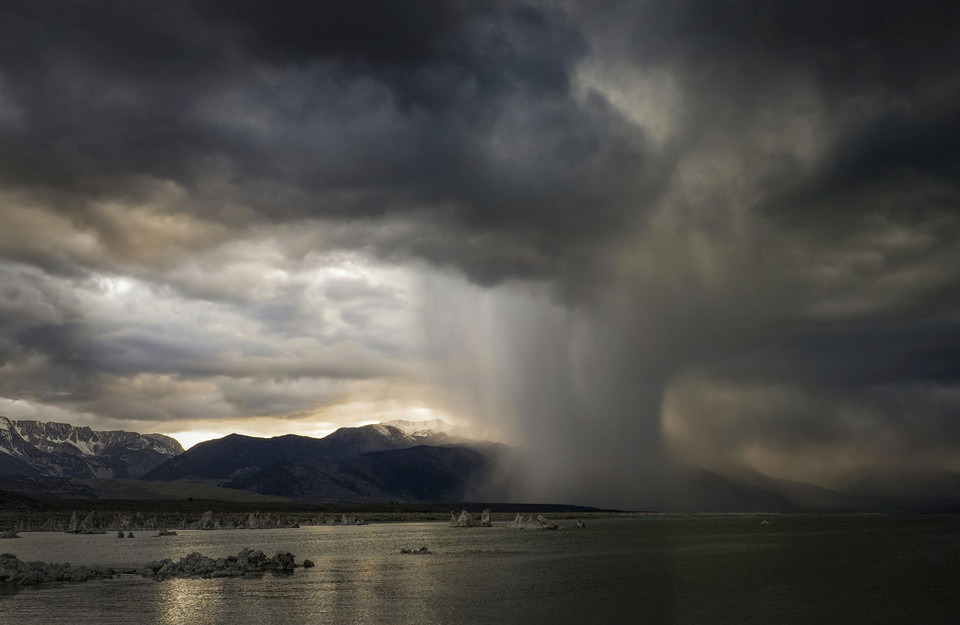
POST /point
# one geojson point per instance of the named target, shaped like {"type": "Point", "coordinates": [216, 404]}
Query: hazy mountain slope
{"type": "Point", "coordinates": [10, 500]}
{"type": "Point", "coordinates": [425, 473]}
{"type": "Point", "coordinates": [290, 478]}
{"type": "Point", "coordinates": [154, 490]}
{"type": "Point", "coordinates": [10, 465]}
{"type": "Point", "coordinates": [420, 473]}
{"type": "Point", "coordinates": [740, 489]}
{"type": "Point", "coordinates": [47, 487]}
{"type": "Point", "coordinates": [803, 496]}
{"type": "Point", "coordinates": [918, 483]}
{"type": "Point", "coordinates": [702, 490]}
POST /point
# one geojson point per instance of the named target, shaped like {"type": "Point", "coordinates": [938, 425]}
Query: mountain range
{"type": "Point", "coordinates": [61, 450]}
{"type": "Point", "coordinates": [368, 463]}
{"type": "Point", "coordinates": [397, 461]}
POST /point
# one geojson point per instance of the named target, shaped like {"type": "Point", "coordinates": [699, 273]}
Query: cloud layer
{"type": "Point", "coordinates": [617, 234]}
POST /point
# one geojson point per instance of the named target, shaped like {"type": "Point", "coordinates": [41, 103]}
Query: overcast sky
{"type": "Point", "coordinates": [618, 234]}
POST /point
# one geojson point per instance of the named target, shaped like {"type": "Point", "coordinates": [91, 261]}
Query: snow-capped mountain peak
{"type": "Point", "coordinates": [429, 432]}
{"type": "Point", "coordinates": [61, 449]}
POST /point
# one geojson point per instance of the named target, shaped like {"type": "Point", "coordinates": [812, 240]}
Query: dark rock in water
{"type": "Point", "coordinates": [166, 532]}
{"type": "Point", "coordinates": [129, 534]}
{"type": "Point", "coordinates": [416, 552]}
{"type": "Point", "coordinates": [247, 562]}
{"type": "Point", "coordinates": [308, 564]}
{"type": "Point", "coordinates": [15, 571]}
{"type": "Point", "coordinates": [283, 561]}
{"type": "Point", "coordinates": [529, 523]}
{"type": "Point", "coordinates": [120, 534]}
{"type": "Point", "coordinates": [9, 534]}
{"type": "Point", "coordinates": [466, 520]}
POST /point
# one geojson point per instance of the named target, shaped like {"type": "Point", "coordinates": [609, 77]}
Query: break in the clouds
{"type": "Point", "coordinates": [621, 235]}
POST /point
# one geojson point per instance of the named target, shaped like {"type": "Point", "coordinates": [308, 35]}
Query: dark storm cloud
{"type": "Point", "coordinates": [754, 202]}
{"type": "Point", "coordinates": [882, 73]}
{"type": "Point", "coordinates": [335, 109]}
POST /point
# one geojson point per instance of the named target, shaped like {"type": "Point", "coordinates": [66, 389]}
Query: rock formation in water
{"type": "Point", "coordinates": [95, 523]}
{"type": "Point", "coordinates": [529, 523]}
{"type": "Point", "coordinates": [206, 522]}
{"type": "Point", "coordinates": [256, 520]}
{"type": "Point", "coordinates": [416, 552]}
{"type": "Point", "coordinates": [247, 562]}
{"type": "Point", "coordinates": [466, 520]}
{"type": "Point", "coordinates": [9, 534]}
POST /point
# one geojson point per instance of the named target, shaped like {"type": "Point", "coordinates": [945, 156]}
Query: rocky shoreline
{"type": "Point", "coordinates": [196, 565]}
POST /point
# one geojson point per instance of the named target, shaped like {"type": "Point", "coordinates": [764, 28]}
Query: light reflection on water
{"type": "Point", "coordinates": [682, 570]}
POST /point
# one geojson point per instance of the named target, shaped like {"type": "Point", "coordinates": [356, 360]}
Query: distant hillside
{"type": "Point", "coordinates": [368, 463]}
{"type": "Point", "coordinates": [421, 473]}
{"type": "Point", "coordinates": [61, 450]}
{"type": "Point", "coordinates": [58, 488]}
{"type": "Point", "coordinates": [235, 456]}
{"type": "Point", "coordinates": [155, 490]}
{"type": "Point", "coordinates": [740, 489]}
{"type": "Point", "coordinates": [47, 487]}
{"type": "Point", "coordinates": [15, 501]}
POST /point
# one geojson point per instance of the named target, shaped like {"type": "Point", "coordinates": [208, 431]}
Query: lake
{"type": "Point", "coordinates": [655, 569]}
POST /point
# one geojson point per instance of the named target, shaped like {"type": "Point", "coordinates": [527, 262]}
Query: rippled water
{"type": "Point", "coordinates": [650, 570]}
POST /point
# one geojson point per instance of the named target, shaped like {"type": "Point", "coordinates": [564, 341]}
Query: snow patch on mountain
{"type": "Point", "coordinates": [420, 428]}
{"type": "Point", "coordinates": [382, 429]}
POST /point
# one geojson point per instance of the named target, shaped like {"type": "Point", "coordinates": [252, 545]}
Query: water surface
{"type": "Point", "coordinates": [800, 569]}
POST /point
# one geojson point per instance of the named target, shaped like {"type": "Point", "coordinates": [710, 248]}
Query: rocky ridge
{"type": "Point", "coordinates": [38, 448]}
